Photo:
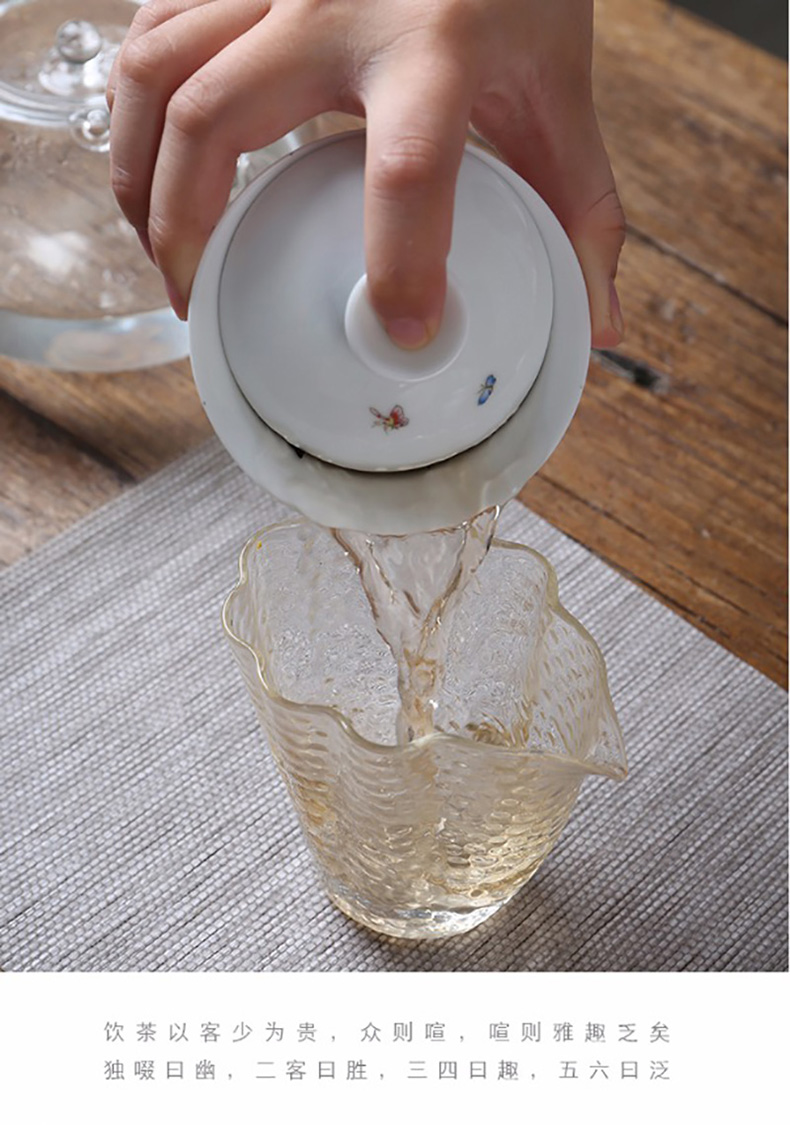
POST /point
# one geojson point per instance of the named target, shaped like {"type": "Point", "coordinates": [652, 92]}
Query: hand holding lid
{"type": "Point", "coordinates": [316, 404]}
{"type": "Point", "coordinates": [195, 84]}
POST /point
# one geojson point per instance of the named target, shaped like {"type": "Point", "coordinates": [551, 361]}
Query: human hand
{"type": "Point", "coordinates": [197, 82]}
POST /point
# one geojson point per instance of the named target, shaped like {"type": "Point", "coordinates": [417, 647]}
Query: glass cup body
{"type": "Point", "coordinates": [432, 837]}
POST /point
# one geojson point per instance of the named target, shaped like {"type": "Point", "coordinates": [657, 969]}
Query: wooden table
{"type": "Point", "coordinates": [674, 469]}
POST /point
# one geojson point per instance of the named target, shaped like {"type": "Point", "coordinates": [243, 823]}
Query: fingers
{"type": "Point", "coordinates": [417, 109]}
{"type": "Point", "coordinates": [563, 157]}
{"type": "Point", "coordinates": [149, 16]}
{"type": "Point", "coordinates": [197, 82]}
{"type": "Point", "coordinates": [156, 60]}
{"type": "Point", "coordinates": [256, 89]}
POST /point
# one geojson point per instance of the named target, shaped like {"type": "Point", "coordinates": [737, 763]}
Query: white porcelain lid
{"type": "Point", "coordinates": [316, 424]}
{"type": "Point", "coordinates": [311, 357]}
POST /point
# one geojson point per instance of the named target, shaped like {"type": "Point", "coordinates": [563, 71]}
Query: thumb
{"type": "Point", "coordinates": [564, 159]}
{"type": "Point", "coordinates": [598, 238]}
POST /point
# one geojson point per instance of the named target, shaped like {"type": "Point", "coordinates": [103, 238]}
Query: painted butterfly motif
{"type": "Point", "coordinates": [395, 420]}
{"type": "Point", "coordinates": [486, 390]}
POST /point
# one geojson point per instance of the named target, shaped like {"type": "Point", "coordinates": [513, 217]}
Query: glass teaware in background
{"type": "Point", "coordinates": [76, 290]}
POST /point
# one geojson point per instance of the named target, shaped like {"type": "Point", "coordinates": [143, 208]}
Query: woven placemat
{"type": "Point", "coordinates": [144, 826]}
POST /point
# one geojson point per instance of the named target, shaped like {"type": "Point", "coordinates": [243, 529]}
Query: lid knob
{"type": "Point", "coordinates": [78, 65]}
{"type": "Point", "coordinates": [370, 343]}
{"type": "Point", "coordinates": [78, 41]}
{"type": "Point", "coordinates": [90, 127]}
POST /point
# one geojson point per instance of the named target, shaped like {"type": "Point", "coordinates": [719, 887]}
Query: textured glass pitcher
{"type": "Point", "coordinates": [428, 838]}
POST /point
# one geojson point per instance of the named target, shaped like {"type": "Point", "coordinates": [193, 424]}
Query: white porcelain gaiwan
{"type": "Point", "coordinates": [311, 398]}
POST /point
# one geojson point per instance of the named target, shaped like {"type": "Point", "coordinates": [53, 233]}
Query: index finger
{"type": "Point", "coordinates": [147, 17]}
{"type": "Point", "coordinates": [417, 107]}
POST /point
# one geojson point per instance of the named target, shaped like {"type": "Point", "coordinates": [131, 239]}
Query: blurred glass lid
{"type": "Point", "coordinates": [76, 289]}
{"type": "Point", "coordinates": [55, 54]}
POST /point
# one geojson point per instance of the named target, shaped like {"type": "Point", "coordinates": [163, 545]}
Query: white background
{"type": "Point", "coordinates": [727, 1051]}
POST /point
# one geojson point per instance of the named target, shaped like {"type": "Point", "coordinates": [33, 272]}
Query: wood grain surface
{"type": "Point", "coordinates": [674, 469]}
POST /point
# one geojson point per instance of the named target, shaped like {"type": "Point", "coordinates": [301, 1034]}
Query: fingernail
{"type": "Point", "coordinates": [176, 300]}
{"type": "Point", "coordinates": [179, 269]}
{"type": "Point", "coordinates": [145, 242]}
{"type": "Point", "coordinates": [615, 312]}
{"type": "Point", "coordinates": [408, 332]}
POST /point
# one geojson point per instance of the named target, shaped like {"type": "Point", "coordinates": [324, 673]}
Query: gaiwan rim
{"type": "Point", "coordinates": [470, 746]}
{"type": "Point", "coordinates": [397, 503]}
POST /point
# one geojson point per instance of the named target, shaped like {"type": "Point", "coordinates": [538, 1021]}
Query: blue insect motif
{"type": "Point", "coordinates": [486, 390]}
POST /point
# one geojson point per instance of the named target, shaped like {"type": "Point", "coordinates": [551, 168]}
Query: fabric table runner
{"type": "Point", "coordinates": [144, 825]}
